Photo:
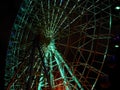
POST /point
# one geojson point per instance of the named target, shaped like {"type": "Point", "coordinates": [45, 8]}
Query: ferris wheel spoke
{"type": "Point", "coordinates": [90, 21]}
{"type": "Point", "coordinates": [81, 49]}
{"type": "Point", "coordinates": [53, 17]}
{"type": "Point", "coordinates": [80, 15]}
{"type": "Point", "coordinates": [58, 18]}
{"type": "Point", "coordinates": [55, 13]}
{"type": "Point", "coordinates": [68, 68]}
{"type": "Point", "coordinates": [82, 27]}
{"type": "Point", "coordinates": [66, 17]}
{"type": "Point", "coordinates": [44, 17]}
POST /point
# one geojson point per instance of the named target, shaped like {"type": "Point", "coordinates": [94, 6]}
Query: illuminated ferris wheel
{"type": "Point", "coordinates": [58, 45]}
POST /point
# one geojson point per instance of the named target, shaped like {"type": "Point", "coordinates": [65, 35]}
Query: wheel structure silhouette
{"type": "Point", "coordinates": [58, 45]}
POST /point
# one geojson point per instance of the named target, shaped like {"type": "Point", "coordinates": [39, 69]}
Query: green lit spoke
{"type": "Point", "coordinates": [52, 55]}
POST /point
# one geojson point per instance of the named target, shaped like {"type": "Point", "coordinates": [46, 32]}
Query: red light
{"type": "Point", "coordinates": [60, 88]}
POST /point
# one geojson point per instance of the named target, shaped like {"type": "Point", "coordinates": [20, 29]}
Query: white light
{"type": "Point", "coordinates": [117, 7]}
{"type": "Point", "coordinates": [116, 46]}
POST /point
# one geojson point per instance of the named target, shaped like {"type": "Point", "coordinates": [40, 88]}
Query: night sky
{"type": "Point", "coordinates": [8, 11]}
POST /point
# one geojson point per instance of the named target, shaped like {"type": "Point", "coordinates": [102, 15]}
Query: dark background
{"type": "Point", "coordinates": [8, 11]}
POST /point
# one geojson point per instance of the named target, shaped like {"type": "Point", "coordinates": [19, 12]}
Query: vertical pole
{"type": "Point", "coordinates": [45, 70]}
{"type": "Point", "coordinates": [37, 42]}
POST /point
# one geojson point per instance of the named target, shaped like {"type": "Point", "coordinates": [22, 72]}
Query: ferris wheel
{"type": "Point", "coordinates": [58, 45]}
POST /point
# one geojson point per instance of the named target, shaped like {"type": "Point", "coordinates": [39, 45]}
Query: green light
{"type": "Point", "coordinates": [117, 7]}
{"type": "Point", "coordinates": [116, 46]}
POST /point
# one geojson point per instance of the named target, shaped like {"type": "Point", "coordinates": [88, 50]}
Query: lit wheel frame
{"type": "Point", "coordinates": [73, 37]}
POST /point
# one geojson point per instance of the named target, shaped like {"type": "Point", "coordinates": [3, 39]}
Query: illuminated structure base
{"type": "Point", "coordinates": [48, 72]}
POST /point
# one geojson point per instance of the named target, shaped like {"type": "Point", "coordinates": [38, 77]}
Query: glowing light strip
{"type": "Point", "coordinates": [48, 15]}
{"type": "Point", "coordinates": [57, 16]}
{"type": "Point", "coordinates": [62, 72]}
{"type": "Point", "coordinates": [52, 17]}
{"type": "Point", "coordinates": [64, 18]}
{"type": "Point", "coordinates": [44, 15]}
{"type": "Point", "coordinates": [57, 19]}
{"type": "Point", "coordinates": [60, 57]}
{"type": "Point", "coordinates": [51, 70]}
{"type": "Point", "coordinates": [82, 12]}
{"type": "Point", "coordinates": [51, 47]}
{"type": "Point", "coordinates": [59, 62]}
